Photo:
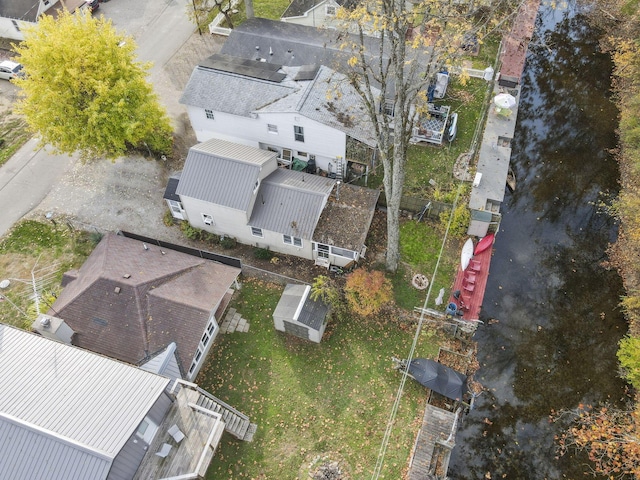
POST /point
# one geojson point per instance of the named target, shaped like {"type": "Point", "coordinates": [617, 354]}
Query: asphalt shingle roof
{"type": "Point", "coordinates": [229, 92]}
{"type": "Point", "coordinates": [127, 302]}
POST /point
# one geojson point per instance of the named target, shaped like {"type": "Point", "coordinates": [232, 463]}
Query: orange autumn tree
{"type": "Point", "coordinates": [367, 292]}
{"type": "Point", "coordinates": [609, 436]}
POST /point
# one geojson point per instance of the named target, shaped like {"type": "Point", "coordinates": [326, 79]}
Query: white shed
{"type": "Point", "coordinates": [299, 315]}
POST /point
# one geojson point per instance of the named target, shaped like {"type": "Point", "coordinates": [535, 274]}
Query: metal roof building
{"type": "Point", "coordinates": [66, 413]}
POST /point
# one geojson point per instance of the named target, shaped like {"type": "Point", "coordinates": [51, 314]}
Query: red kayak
{"type": "Point", "coordinates": [483, 244]}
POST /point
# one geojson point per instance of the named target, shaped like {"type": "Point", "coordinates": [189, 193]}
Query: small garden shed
{"type": "Point", "coordinates": [299, 315]}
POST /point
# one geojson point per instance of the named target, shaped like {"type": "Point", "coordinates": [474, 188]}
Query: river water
{"type": "Point", "coordinates": [551, 313]}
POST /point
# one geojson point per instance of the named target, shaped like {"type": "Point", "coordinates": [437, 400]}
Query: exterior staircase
{"type": "Point", "coordinates": [339, 170]}
{"type": "Point", "coordinates": [236, 423]}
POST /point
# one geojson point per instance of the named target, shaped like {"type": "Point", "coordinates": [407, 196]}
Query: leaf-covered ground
{"type": "Point", "coordinates": [331, 399]}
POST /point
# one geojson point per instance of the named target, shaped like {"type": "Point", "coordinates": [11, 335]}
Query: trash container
{"type": "Point", "coordinates": [451, 309]}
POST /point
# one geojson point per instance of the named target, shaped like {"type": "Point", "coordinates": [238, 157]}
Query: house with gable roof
{"type": "Point", "coordinates": [15, 15]}
{"type": "Point", "coordinates": [239, 191]}
{"type": "Point", "coordinates": [132, 300]}
{"type": "Point", "coordinates": [315, 13]}
{"type": "Point", "coordinates": [307, 115]}
{"type": "Point", "coordinates": [70, 414]}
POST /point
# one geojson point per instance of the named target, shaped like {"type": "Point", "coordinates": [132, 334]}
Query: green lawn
{"type": "Point", "coordinates": [329, 399]}
{"type": "Point", "coordinates": [30, 245]}
{"type": "Point", "coordinates": [13, 134]}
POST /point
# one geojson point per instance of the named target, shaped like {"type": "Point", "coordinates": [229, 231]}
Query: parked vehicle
{"type": "Point", "coordinates": [10, 70]}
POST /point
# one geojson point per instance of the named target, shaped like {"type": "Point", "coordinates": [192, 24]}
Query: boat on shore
{"type": "Point", "coordinates": [511, 179]}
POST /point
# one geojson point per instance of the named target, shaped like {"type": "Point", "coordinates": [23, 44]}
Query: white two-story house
{"type": "Point", "coordinates": [310, 116]}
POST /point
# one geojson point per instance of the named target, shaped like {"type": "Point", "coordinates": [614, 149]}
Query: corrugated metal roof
{"type": "Point", "coordinates": [78, 407]}
{"type": "Point", "coordinates": [291, 202]}
{"type": "Point", "coordinates": [218, 180]}
{"type": "Point", "coordinates": [230, 93]}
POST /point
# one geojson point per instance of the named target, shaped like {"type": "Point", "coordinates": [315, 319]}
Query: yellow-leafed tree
{"type": "Point", "coordinates": [84, 90]}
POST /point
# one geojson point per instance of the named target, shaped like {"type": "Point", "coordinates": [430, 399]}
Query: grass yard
{"type": "Point", "coordinates": [13, 134]}
{"type": "Point", "coordinates": [310, 400]}
{"type": "Point", "coordinates": [43, 246]}
{"type": "Point", "coordinates": [420, 244]}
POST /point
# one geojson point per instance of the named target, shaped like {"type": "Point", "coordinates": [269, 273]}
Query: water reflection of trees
{"type": "Point", "coordinates": [555, 344]}
{"type": "Point", "coordinates": [565, 121]}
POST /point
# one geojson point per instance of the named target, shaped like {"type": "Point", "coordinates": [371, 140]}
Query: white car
{"type": "Point", "coordinates": [10, 70]}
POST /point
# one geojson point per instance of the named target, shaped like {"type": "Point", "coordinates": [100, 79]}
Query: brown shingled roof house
{"type": "Point", "coordinates": [130, 300]}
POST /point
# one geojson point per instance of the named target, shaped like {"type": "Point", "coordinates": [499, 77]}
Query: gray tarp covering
{"type": "Point", "coordinates": [438, 377]}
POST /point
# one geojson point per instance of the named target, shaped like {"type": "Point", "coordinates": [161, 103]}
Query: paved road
{"type": "Point", "coordinates": [160, 28]}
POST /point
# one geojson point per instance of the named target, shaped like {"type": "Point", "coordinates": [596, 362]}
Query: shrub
{"type": "Point", "coordinates": [629, 357]}
{"type": "Point", "coordinates": [192, 233]}
{"type": "Point", "coordinates": [460, 222]}
{"type": "Point", "coordinates": [367, 292]}
{"type": "Point", "coordinates": [168, 218]}
{"type": "Point", "coordinates": [228, 242]}
{"type": "Point", "coordinates": [263, 254]}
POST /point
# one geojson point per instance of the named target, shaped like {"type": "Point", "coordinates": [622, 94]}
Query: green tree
{"type": "Point", "coordinates": [85, 91]}
{"type": "Point", "coordinates": [416, 42]}
{"type": "Point", "coordinates": [629, 357]}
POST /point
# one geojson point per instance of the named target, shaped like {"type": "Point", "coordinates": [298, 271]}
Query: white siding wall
{"type": "Point", "coordinates": [324, 142]}
{"type": "Point", "coordinates": [8, 29]}
{"type": "Point", "coordinates": [226, 221]}
{"type": "Point", "coordinates": [274, 241]}
{"type": "Point", "coordinates": [316, 17]}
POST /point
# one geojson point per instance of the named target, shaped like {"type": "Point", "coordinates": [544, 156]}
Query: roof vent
{"type": "Point", "coordinates": [126, 275]}
{"type": "Point", "coordinates": [45, 322]}
{"type": "Point", "coordinates": [117, 289]}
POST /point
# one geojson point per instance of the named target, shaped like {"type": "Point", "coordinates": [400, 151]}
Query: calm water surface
{"type": "Point", "coordinates": [553, 308]}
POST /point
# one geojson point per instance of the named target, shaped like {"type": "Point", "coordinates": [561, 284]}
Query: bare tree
{"type": "Point", "coordinates": [202, 12]}
{"type": "Point", "coordinates": [415, 42]}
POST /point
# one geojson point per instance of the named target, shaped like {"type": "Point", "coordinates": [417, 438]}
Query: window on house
{"type": "Point", "coordinates": [389, 108]}
{"type": "Point", "coordinates": [298, 133]}
{"type": "Point", "coordinates": [272, 128]}
{"type": "Point", "coordinates": [175, 206]}
{"type": "Point", "coordinates": [256, 185]}
{"type": "Point", "coordinates": [196, 359]}
{"type": "Point", "coordinates": [15, 24]}
{"type": "Point", "coordinates": [209, 114]}
{"type": "Point", "coordinates": [286, 154]}
{"type": "Point", "coordinates": [341, 252]}
{"type": "Point", "coordinates": [330, 10]}
{"type": "Point", "coordinates": [323, 250]}
{"type": "Point", "coordinates": [207, 219]}
{"type": "Point", "coordinates": [302, 154]}
{"type": "Point", "coordinates": [256, 232]}
{"type": "Point", "coordinates": [289, 240]}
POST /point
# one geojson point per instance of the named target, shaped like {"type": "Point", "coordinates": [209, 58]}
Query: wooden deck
{"type": "Point", "coordinates": [472, 301]}
{"type": "Point", "coordinates": [194, 453]}
{"type": "Point", "coordinates": [437, 427]}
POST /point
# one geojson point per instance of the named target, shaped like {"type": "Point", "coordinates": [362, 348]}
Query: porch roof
{"type": "Point", "coordinates": [346, 219]}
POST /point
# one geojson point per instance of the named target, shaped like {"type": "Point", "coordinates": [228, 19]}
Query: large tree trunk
{"type": "Point", "coordinates": [248, 5]}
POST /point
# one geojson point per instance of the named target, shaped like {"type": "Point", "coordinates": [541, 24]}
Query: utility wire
{"type": "Point", "coordinates": [396, 404]}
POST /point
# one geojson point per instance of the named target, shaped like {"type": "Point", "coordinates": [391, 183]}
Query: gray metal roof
{"type": "Point", "coordinates": [230, 92]}
{"type": "Point", "coordinates": [291, 202]}
{"type": "Point", "coordinates": [222, 172]}
{"type": "Point", "coordinates": [66, 412]}
{"type": "Point", "coordinates": [164, 363]}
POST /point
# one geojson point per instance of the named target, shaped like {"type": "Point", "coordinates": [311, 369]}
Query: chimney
{"type": "Point", "coordinates": [53, 328]}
